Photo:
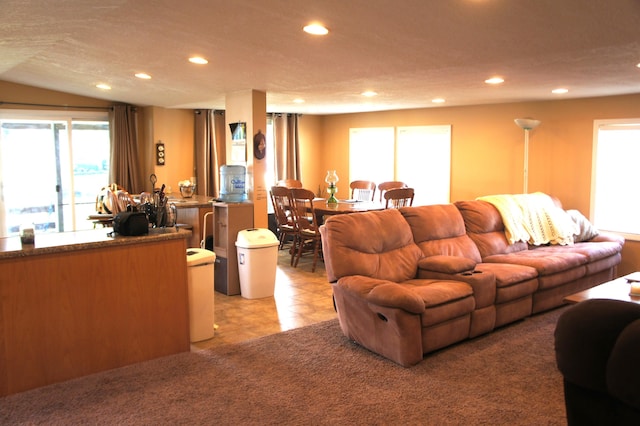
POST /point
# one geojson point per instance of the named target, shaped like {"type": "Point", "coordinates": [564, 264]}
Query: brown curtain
{"type": "Point", "coordinates": [287, 150]}
{"type": "Point", "coordinates": [209, 152]}
{"type": "Point", "coordinates": [124, 168]}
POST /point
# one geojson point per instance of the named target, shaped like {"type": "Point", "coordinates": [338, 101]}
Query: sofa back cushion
{"type": "Point", "coordinates": [374, 244]}
{"type": "Point", "coordinates": [485, 227]}
{"type": "Point", "coordinates": [439, 230]}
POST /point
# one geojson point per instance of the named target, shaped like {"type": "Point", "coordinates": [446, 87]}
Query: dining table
{"type": "Point", "coordinates": [322, 208]}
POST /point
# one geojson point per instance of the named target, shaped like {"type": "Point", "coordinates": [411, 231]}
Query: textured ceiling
{"type": "Point", "coordinates": [408, 51]}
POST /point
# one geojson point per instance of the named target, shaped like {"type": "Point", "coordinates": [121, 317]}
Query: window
{"type": "Point", "coordinates": [51, 169]}
{"type": "Point", "coordinates": [420, 156]}
{"type": "Point", "coordinates": [615, 198]}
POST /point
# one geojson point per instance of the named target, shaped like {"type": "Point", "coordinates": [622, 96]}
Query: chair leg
{"type": "Point", "coordinates": [316, 245]}
{"type": "Point", "coordinates": [293, 248]}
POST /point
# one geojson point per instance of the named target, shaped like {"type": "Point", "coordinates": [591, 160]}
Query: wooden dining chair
{"type": "Point", "coordinates": [289, 183]}
{"type": "Point", "coordinates": [308, 232]}
{"type": "Point", "coordinates": [385, 186]}
{"type": "Point", "coordinates": [398, 197]}
{"type": "Point", "coordinates": [285, 223]}
{"type": "Point", "coordinates": [362, 190]}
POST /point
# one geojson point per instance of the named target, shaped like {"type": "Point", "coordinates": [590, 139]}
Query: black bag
{"type": "Point", "coordinates": [131, 223]}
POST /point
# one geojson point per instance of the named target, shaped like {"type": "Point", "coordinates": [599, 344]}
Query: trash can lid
{"type": "Point", "coordinates": [197, 256]}
{"type": "Point", "coordinates": [256, 237]}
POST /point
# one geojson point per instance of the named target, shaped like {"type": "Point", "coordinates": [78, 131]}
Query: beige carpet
{"type": "Point", "coordinates": [313, 375]}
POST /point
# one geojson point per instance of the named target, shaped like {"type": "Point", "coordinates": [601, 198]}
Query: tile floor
{"type": "Point", "coordinates": [301, 298]}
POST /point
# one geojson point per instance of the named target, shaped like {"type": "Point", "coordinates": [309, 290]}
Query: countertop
{"type": "Point", "coordinates": [58, 242]}
{"type": "Point", "coordinates": [195, 201]}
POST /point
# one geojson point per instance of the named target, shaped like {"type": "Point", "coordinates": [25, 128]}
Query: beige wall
{"type": "Point", "coordinates": [174, 127]}
{"type": "Point", "coordinates": [487, 146]}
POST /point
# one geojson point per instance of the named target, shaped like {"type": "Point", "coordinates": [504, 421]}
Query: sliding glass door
{"type": "Point", "coordinates": [50, 172]}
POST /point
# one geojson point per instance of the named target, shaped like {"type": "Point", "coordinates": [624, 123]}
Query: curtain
{"type": "Point", "coordinates": [209, 152]}
{"type": "Point", "coordinates": [125, 170]}
{"type": "Point", "coordinates": [287, 149]}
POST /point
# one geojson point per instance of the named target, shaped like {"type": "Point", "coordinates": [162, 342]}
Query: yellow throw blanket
{"type": "Point", "coordinates": [533, 218]}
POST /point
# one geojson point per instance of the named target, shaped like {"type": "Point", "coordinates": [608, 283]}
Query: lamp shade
{"type": "Point", "coordinates": [527, 123]}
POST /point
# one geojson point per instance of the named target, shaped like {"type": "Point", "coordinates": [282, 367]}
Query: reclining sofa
{"type": "Point", "coordinates": [413, 280]}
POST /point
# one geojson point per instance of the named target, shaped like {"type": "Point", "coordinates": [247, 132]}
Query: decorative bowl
{"type": "Point", "coordinates": [187, 190]}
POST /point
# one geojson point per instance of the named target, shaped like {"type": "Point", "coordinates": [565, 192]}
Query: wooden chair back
{"type": "Point", "coordinates": [398, 197]}
{"type": "Point", "coordinates": [308, 230]}
{"type": "Point", "coordinates": [362, 190]}
{"type": "Point", "coordinates": [282, 209]}
{"type": "Point", "coordinates": [385, 186]}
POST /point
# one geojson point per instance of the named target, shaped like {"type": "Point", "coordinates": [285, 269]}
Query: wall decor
{"type": "Point", "coordinates": [259, 145]}
{"type": "Point", "coordinates": [160, 154]}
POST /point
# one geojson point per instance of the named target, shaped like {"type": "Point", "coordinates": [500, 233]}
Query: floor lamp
{"type": "Point", "coordinates": [526, 124]}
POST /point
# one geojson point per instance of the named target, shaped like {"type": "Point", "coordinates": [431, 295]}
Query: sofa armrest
{"type": "Point", "coordinates": [608, 236]}
{"type": "Point", "coordinates": [446, 264]}
{"type": "Point", "coordinates": [383, 293]}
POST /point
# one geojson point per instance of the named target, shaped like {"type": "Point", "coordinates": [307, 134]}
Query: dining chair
{"type": "Point", "coordinates": [289, 183]}
{"type": "Point", "coordinates": [308, 232]}
{"type": "Point", "coordinates": [362, 190]}
{"type": "Point", "coordinates": [282, 206]}
{"type": "Point", "coordinates": [398, 197]}
{"type": "Point", "coordinates": [385, 186]}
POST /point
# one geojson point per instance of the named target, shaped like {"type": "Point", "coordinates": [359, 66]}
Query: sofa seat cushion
{"type": "Point", "coordinates": [512, 281]}
{"type": "Point", "coordinates": [592, 250]}
{"type": "Point", "coordinates": [546, 262]}
{"type": "Point", "coordinates": [443, 300]}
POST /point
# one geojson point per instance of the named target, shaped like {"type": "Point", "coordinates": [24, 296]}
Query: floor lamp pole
{"type": "Point", "coordinates": [526, 161]}
{"type": "Point", "coordinates": [526, 124]}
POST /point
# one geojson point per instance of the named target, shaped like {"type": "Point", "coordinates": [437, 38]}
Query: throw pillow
{"type": "Point", "coordinates": [587, 230]}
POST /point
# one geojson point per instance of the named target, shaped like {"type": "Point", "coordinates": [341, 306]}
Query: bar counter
{"type": "Point", "coordinates": [77, 303]}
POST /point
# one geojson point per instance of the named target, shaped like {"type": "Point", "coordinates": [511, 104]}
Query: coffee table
{"type": "Point", "coordinates": [617, 289]}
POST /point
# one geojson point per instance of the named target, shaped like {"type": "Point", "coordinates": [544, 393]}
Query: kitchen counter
{"type": "Point", "coordinates": [76, 303]}
{"type": "Point", "coordinates": [195, 201]}
{"type": "Point", "coordinates": [59, 242]}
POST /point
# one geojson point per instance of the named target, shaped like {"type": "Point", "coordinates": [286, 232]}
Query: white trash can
{"type": "Point", "coordinates": [200, 273]}
{"type": "Point", "coordinates": [257, 260]}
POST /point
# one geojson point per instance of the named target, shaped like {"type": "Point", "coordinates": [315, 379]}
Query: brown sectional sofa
{"type": "Point", "coordinates": [410, 281]}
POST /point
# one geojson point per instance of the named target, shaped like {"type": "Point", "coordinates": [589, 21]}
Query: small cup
{"type": "Point", "coordinates": [27, 234]}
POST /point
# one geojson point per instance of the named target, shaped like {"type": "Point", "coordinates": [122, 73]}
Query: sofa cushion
{"type": "Point", "coordinates": [546, 262]}
{"type": "Point", "coordinates": [440, 230]}
{"type": "Point", "coordinates": [443, 300]}
{"type": "Point", "coordinates": [447, 264]}
{"type": "Point", "coordinates": [374, 244]}
{"type": "Point", "coordinates": [485, 227]}
{"type": "Point", "coordinates": [586, 230]}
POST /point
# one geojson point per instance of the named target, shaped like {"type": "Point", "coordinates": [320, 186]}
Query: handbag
{"type": "Point", "coordinates": [131, 223]}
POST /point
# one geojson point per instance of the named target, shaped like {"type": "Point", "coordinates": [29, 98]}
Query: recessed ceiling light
{"type": "Point", "coordinates": [494, 80]}
{"type": "Point", "coordinates": [638, 65]}
{"type": "Point", "coordinates": [103, 86]}
{"type": "Point", "coordinates": [298, 101]}
{"type": "Point", "coordinates": [369, 93]}
{"type": "Point", "coordinates": [560, 91]}
{"type": "Point", "coordinates": [143, 76]}
{"type": "Point", "coordinates": [437, 101]}
{"type": "Point", "coordinates": [198, 60]}
{"type": "Point", "coordinates": [316, 29]}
